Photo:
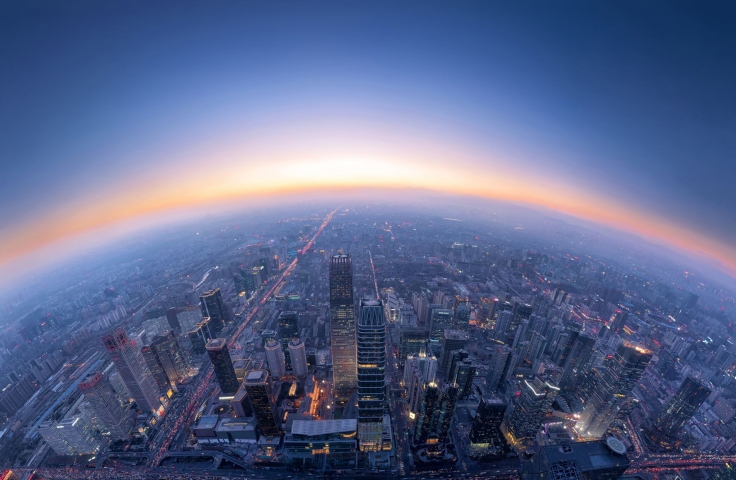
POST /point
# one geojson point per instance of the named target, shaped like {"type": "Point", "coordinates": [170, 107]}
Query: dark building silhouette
{"type": "Point", "coordinates": [223, 365]}
{"type": "Point", "coordinates": [486, 429]}
{"type": "Point", "coordinates": [288, 331]}
{"type": "Point", "coordinates": [214, 308]}
{"type": "Point", "coordinates": [677, 412]}
{"type": "Point", "coordinates": [261, 399]}
{"type": "Point", "coordinates": [371, 335]}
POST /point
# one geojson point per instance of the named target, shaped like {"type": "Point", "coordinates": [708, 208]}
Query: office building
{"type": "Point", "coordinates": [413, 341]}
{"type": "Point", "coordinates": [462, 317]}
{"type": "Point", "coordinates": [98, 391]}
{"type": "Point", "coordinates": [428, 415]}
{"type": "Point", "coordinates": [173, 319]}
{"type": "Point", "coordinates": [486, 429]}
{"type": "Point", "coordinates": [450, 396]}
{"type": "Point", "coordinates": [463, 375]}
{"type": "Point", "coordinates": [169, 355]}
{"type": "Point", "coordinates": [578, 360]}
{"type": "Point", "coordinates": [275, 359]}
{"type": "Point", "coordinates": [257, 385]}
{"type": "Point", "coordinates": [199, 336]}
{"type": "Point", "coordinates": [499, 366]}
{"type": "Point", "coordinates": [610, 386]}
{"type": "Point", "coordinates": [451, 340]}
{"type": "Point", "coordinates": [427, 365]}
{"type": "Point", "coordinates": [157, 370]}
{"type": "Point", "coordinates": [288, 331]}
{"type": "Point", "coordinates": [129, 361]}
{"type": "Point", "coordinates": [677, 412]}
{"type": "Point", "coordinates": [335, 439]}
{"type": "Point", "coordinates": [531, 408]}
{"type": "Point", "coordinates": [371, 335]}
{"type": "Point", "coordinates": [441, 319]}
{"type": "Point", "coordinates": [214, 308]}
{"type": "Point", "coordinates": [298, 355]}
{"type": "Point", "coordinates": [223, 366]}
{"type": "Point", "coordinates": [71, 436]}
{"type": "Point", "coordinates": [342, 328]}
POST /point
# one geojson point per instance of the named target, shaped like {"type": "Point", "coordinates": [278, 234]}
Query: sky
{"type": "Point", "coordinates": [112, 113]}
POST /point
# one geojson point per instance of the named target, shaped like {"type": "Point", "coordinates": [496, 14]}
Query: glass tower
{"type": "Point", "coordinates": [223, 365]}
{"type": "Point", "coordinates": [342, 328]}
{"type": "Point", "coordinates": [371, 334]}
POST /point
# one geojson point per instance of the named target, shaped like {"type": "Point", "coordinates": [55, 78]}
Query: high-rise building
{"type": "Point", "coordinates": [131, 366]}
{"type": "Point", "coordinates": [610, 386]}
{"type": "Point", "coordinates": [413, 340]}
{"type": "Point", "coordinates": [298, 355]}
{"type": "Point", "coordinates": [110, 415]}
{"type": "Point", "coordinates": [463, 376]}
{"type": "Point", "coordinates": [677, 412]}
{"type": "Point", "coordinates": [371, 335]}
{"type": "Point", "coordinates": [499, 366]}
{"type": "Point", "coordinates": [71, 436]}
{"type": "Point", "coordinates": [451, 340]}
{"type": "Point", "coordinates": [578, 360]}
{"type": "Point", "coordinates": [486, 429]}
{"type": "Point", "coordinates": [199, 336]}
{"type": "Point", "coordinates": [450, 395]}
{"type": "Point", "coordinates": [425, 363]}
{"type": "Point", "coordinates": [288, 331]}
{"type": "Point", "coordinates": [275, 359]}
{"type": "Point", "coordinates": [462, 317]}
{"type": "Point", "coordinates": [157, 370]}
{"type": "Point", "coordinates": [503, 323]}
{"type": "Point", "coordinates": [214, 308]}
{"type": "Point", "coordinates": [261, 399]}
{"type": "Point", "coordinates": [342, 328]}
{"type": "Point", "coordinates": [428, 415]}
{"type": "Point", "coordinates": [223, 365]}
{"type": "Point", "coordinates": [169, 356]}
{"type": "Point", "coordinates": [456, 357]}
{"type": "Point", "coordinates": [441, 319]}
{"type": "Point", "coordinates": [531, 408]}
{"type": "Point", "coordinates": [173, 319]}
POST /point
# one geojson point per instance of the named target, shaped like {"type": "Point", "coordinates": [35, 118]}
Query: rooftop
{"type": "Point", "coordinates": [313, 428]}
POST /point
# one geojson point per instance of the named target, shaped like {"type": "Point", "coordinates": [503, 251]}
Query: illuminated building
{"type": "Point", "coordinates": [288, 331]}
{"type": "Point", "coordinates": [413, 341]}
{"type": "Point", "coordinates": [677, 412]}
{"type": "Point", "coordinates": [214, 308]}
{"type": "Point", "coordinates": [610, 387]}
{"type": "Point", "coordinates": [71, 436]}
{"type": "Point", "coordinates": [155, 367]}
{"type": "Point", "coordinates": [223, 366]}
{"type": "Point", "coordinates": [451, 340]}
{"type": "Point", "coordinates": [450, 395]}
{"type": "Point", "coordinates": [169, 356]}
{"type": "Point", "coordinates": [441, 319]}
{"type": "Point", "coordinates": [578, 461]}
{"type": "Point", "coordinates": [275, 359]}
{"type": "Point", "coordinates": [531, 408]}
{"type": "Point", "coordinates": [298, 355]}
{"type": "Point", "coordinates": [336, 439]}
{"type": "Point", "coordinates": [371, 335]}
{"type": "Point", "coordinates": [428, 415]}
{"type": "Point", "coordinates": [99, 393]}
{"type": "Point", "coordinates": [132, 368]}
{"type": "Point", "coordinates": [257, 385]}
{"type": "Point", "coordinates": [342, 328]}
{"type": "Point", "coordinates": [427, 364]}
{"type": "Point", "coordinates": [463, 376]}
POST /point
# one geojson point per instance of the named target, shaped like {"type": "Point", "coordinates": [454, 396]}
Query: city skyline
{"type": "Point", "coordinates": [601, 141]}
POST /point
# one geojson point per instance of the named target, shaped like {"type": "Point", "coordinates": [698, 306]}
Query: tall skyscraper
{"type": "Point", "coordinates": [275, 359]}
{"type": "Point", "coordinates": [531, 408]}
{"type": "Point", "coordinates": [170, 357]}
{"type": "Point", "coordinates": [157, 370]}
{"type": "Point", "coordinates": [261, 399]}
{"type": "Point", "coordinates": [371, 334]}
{"type": "Point", "coordinates": [486, 429]}
{"type": "Point", "coordinates": [99, 393]}
{"type": "Point", "coordinates": [173, 319]}
{"type": "Point", "coordinates": [463, 376]}
{"type": "Point", "coordinates": [71, 436]}
{"type": "Point", "coordinates": [611, 385]}
{"type": "Point", "coordinates": [298, 355]}
{"type": "Point", "coordinates": [462, 317]}
{"type": "Point", "coordinates": [342, 328]}
{"type": "Point", "coordinates": [677, 412]}
{"type": "Point", "coordinates": [578, 359]}
{"type": "Point", "coordinates": [450, 396]}
{"type": "Point", "coordinates": [413, 340]}
{"type": "Point", "coordinates": [288, 331]}
{"type": "Point", "coordinates": [131, 365]}
{"type": "Point", "coordinates": [499, 366]}
{"type": "Point", "coordinates": [214, 308]}
{"type": "Point", "coordinates": [223, 365]}
{"type": "Point", "coordinates": [451, 340]}
{"type": "Point", "coordinates": [429, 411]}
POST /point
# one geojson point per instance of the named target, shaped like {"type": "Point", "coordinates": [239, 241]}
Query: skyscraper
{"type": "Point", "coordinates": [132, 367]}
{"type": "Point", "coordinates": [99, 393]}
{"type": "Point", "coordinates": [450, 395]}
{"type": "Point", "coordinates": [486, 429]}
{"type": "Point", "coordinates": [275, 359]}
{"type": "Point", "coordinates": [342, 328]}
{"type": "Point", "coordinates": [413, 340]}
{"type": "Point", "coordinates": [288, 331]}
{"type": "Point", "coordinates": [531, 408]}
{"type": "Point", "coordinates": [223, 365]}
{"type": "Point", "coordinates": [71, 436]}
{"type": "Point", "coordinates": [451, 340]}
{"type": "Point", "coordinates": [499, 366]}
{"type": "Point", "coordinates": [157, 370]}
{"type": "Point", "coordinates": [173, 319]}
{"type": "Point", "coordinates": [428, 416]}
{"type": "Point", "coordinates": [677, 411]}
{"type": "Point", "coordinates": [578, 359]}
{"type": "Point", "coordinates": [298, 355]}
{"type": "Point", "coordinates": [611, 385]}
{"type": "Point", "coordinates": [371, 334]}
{"type": "Point", "coordinates": [170, 357]}
{"type": "Point", "coordinates": [214, 308]}
{"type": "Point", "coordinates": [261, 399]}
